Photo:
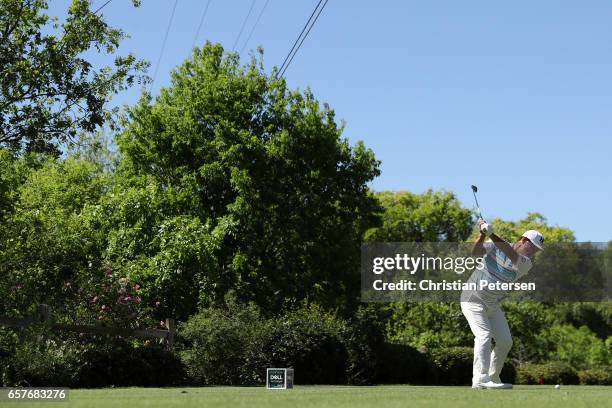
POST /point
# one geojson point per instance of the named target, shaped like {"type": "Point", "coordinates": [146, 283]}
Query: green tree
{"type": "Point", "coordinates": [52, 247]}
{"type": "Point", "coordinates": [48, 89]}
{"type": "Point", "coordinates": [576, 346]}
{"type": "Point", "coordinates": [46, 242]}
{"type": "Point", "coordinates": [512, 230]}
{"type": "Point", "coordinates": [266, 173]}
{"type": "Point", "coordinates": [428, 325]}
{"type": "Point", "coordinates": [430, 217]}
{"type": "Point", "coordinates": [11, 177]}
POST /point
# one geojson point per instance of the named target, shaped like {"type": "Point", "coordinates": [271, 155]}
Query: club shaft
{"type": "Point", "coordinates": [477, 205]}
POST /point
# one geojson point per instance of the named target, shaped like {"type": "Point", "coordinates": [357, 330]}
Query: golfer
{"type": "Point", "coordinates": [502, 263]}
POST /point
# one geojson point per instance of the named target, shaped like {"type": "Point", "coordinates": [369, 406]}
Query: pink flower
{"type": "Point", "coordinates": [157, 303]}
{"type": "Point", "coordinates": [138, 299]}
{"type": "Point", "coordinates": [99, 317]}
{"type": "Point", "coordinates": [127, 298]}
{"type": "Point", "coordinates": [162, 323]}
{"type": "Point", "coordinates": [103, 307]}
{"type": "Point", "coordinates": [136, 287]}
{"type": "Point", "coordinates": [94, 300]}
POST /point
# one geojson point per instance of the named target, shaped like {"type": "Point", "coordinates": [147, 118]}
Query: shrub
{"type": "Point", "coordinates": [44, 358]}
{"type": "Point", "coordinates": [509, 373]}
{"type": "Point", "coordinates": [429, 325]}
{"type": "Point", "coordinates": [580, 348]}
{"type": "Point", "coordinates": [454, 365]}
{"type": "Point", "coordinates": [596, 376]}
{"type": "Point", "coordinates": [550, 373]}
{"type": "Point", "coordinates": [364, 338]}
{"type": "Point", "coordinates": [402, 364]}
{"type": "Point", "coordinates": [41, 359]}
{"type": "Point", "coordinates": [526, 321]}
{"type": "Point", "coordinates": [309, 340]}
{"type": "Point", "coordinates": [234, 345]}
{"type": "Point", "coordinates": [373, 360]}
{"type": "Point", "coordinates": [218, 341]}
{"type": "Point", "coordinates": [596, 316]}
{"type": "Point", "coordinates": [120, 363]}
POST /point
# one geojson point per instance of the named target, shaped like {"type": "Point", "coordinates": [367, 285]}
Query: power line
{"type": "Point", "coordinates": [284, 67]}
{"type": "Point", "coordinates": [161, 52]}
{"type": "Point", "coordinates": [102, 6]}
{"type": "Point", "coordinates": [200, 25]}
{"type": "Point", "coordinates": [301, 32]}
{"type": "Point", "coordinates": [243, 24]}
{"type": "Point", "coordinates": [254, 25]}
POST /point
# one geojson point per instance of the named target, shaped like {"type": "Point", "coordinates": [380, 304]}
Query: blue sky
{"type": "Point", "coordinates": [514, 97]}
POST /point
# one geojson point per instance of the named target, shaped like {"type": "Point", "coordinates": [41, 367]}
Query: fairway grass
{"type": "Point", "coordinates": [337, 396]}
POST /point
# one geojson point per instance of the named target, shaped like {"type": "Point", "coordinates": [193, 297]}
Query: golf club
{"type": "Point", "coordinates": [475, 190]}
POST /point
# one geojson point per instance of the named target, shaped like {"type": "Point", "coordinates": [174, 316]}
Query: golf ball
{"type": "Point", "coordinates": [557, 386]}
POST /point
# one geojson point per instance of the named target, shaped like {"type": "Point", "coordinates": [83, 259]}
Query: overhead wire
{"type": "Point", "coordinates": [243, 25]}
{"type": "Point", "coordinates": [195, 38]}
{"type": "Point", "coordinates": [254, 26]}
{"type": "Point", "coordinates": [101, 7]}
{"type": "Point", "coordinates": [284, 67]}
{"type": "Point", "coordinates": [300, 35]}
{"type": "Point", "coordinates": [161, 52]}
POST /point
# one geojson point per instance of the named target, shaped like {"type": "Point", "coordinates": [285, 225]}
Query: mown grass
{"type": "Point", "coordinates": [338, 397]}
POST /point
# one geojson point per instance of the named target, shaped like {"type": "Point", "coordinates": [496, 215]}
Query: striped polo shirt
{"type": "Point", "coordinates": [497, 268]}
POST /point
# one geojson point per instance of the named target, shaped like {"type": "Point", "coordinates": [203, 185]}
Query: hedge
{"type": "Point", "coordinates": [596, 376]}
{"type": "Point", "coordinates": [550, 373]}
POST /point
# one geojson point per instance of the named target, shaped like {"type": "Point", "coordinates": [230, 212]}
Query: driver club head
{"type": "Point", "coordinates": [474, 188]}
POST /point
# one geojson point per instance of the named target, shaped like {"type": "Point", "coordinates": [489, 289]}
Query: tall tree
{"type": "Point", "coordinates": [267, 174]}
{"type": "Point", "coordinates": [48, 89]}
{"type": "Point", "coordinates": [512, 230]}
{"type": "Point", "coordinates": [429, 217]}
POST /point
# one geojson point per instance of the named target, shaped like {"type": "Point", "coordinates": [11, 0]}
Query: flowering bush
{"type": "Point", "coordinates": [106, 298]}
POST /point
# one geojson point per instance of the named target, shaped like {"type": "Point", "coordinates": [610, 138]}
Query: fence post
{"type": "Point", "coordinates": [171, 330]}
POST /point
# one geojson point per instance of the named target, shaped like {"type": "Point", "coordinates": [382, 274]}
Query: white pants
{"type": "Point", "coordinates": [487, 322]}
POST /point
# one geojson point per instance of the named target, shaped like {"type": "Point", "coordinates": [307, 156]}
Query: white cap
{"type": "Point", "coordinates": [535, 237]}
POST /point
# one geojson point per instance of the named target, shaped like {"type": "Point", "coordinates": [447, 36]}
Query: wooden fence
{"type": "Point", "coordinates": [44, 315]}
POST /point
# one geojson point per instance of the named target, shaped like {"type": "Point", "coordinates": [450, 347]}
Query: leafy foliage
{"type": "Point", "coordinates": [527, 320]}
{"type": "Point", "coordinates": [430, 217]}
{"type": "Point", "coordinates": [309, 340]}
{"type": "Point", "coordinates": [234, 344]}
{"type": "Point", "coordinates": [454, 365]}
{"type": "Point", "coordinates": [44, 358]}
{"type": "Point", "coordinates": [578, 347]}
{"type": "Point", "coordinates": [45, 243]}
{"type": "Point", "coordinates": [512, 230]}
{"type": "Point", "coordinates": [48, 90]}
{"type": "Point", "coordinates": [429, 325]}
{"type": "Point", "coordinates": [549, 373]}
{"type": "Point", "coordinates": [282, 196]}
{"type": "Point", "coordinates": [596, 376]}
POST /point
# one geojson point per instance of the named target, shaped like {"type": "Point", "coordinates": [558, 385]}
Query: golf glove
{"type": "Point", "coordinates": [486, 229]}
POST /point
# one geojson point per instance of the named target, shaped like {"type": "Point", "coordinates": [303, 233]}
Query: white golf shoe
{"type": "Point", "coordinates": [490, 385]}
